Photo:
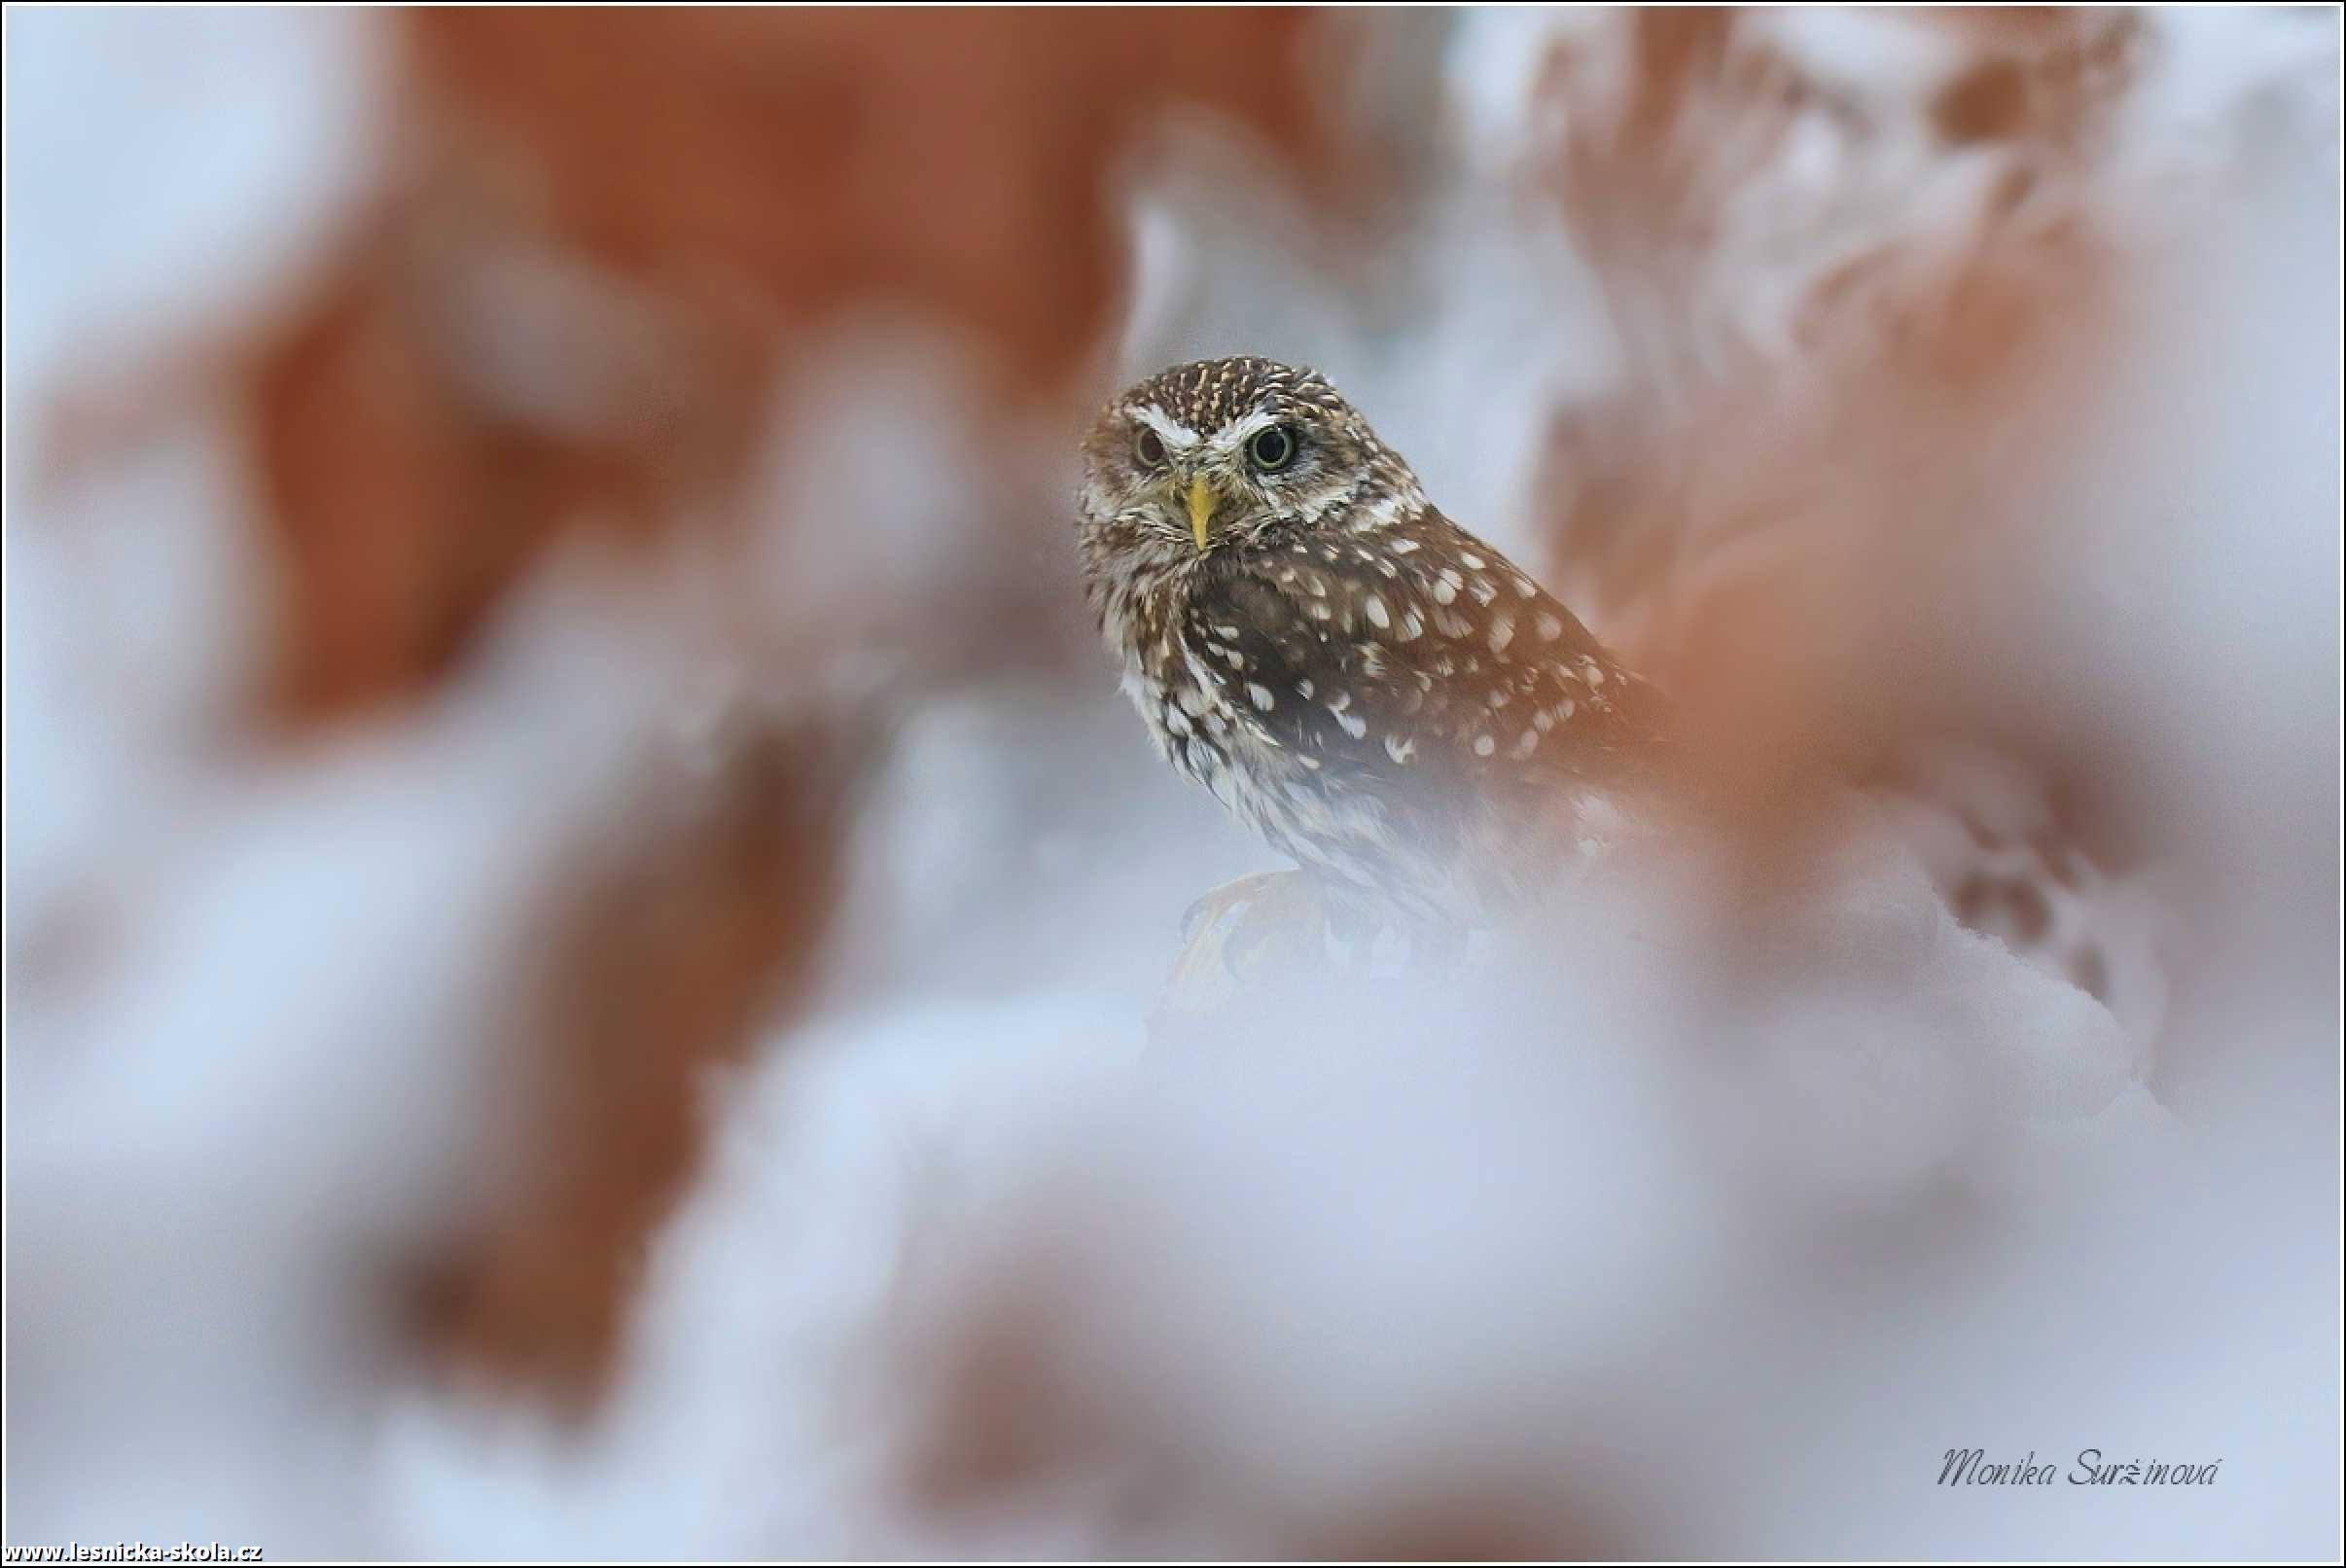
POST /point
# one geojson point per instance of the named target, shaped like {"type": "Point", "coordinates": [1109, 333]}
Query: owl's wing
{"type": "Point", "coordinates": [1416, 657]}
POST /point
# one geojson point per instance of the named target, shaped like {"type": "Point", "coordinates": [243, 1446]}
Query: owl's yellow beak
{"type": "Point", "coordinates": [1202, 509]}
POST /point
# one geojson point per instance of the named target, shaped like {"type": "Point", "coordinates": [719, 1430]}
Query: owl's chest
{"type": "Point", "coordinates": [1297, 804]}
{"type": "Point", "coordinates": [1195, 726]}
{"type": "Point", "coordinates": [1183, 699]}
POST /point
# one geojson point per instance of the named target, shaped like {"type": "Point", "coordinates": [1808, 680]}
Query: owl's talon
{"type": "Point", "coordinates": [1204, 907]}
{"type": "Point", "coordinates": [1229, 934]}
{"type": "Point", "coordinates": [1246, 942]}
{"type": "Point", "coordinates": [1232, 896]}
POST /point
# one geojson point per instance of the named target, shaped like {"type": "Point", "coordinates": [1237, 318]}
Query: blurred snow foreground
{"type": "Point", "coordinates": [1702, 1216]}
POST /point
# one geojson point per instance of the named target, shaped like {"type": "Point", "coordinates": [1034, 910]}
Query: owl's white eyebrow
{"type": "Point", "coordinates": [1177, 436]}
{"type": "Point", "coordinates": [1234, 435]}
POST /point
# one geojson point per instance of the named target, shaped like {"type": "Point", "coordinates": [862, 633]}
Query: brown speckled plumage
{"type": "Point", "coordinates": [1380, 693]}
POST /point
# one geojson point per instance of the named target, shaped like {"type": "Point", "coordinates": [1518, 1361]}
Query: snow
{"type": "Point", "coordinates": [186, 165]}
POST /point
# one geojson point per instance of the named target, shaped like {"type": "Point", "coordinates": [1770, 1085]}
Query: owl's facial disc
{"type": "Point", "coordinates": [1186, 480]}
{"type": "Point", "coordinates": [1231, 477]}
{"type": "Point", "coordinates": [1201, 471]}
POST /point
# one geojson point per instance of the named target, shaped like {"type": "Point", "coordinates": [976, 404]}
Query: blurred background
{"type": "Point", "coordinates": [584, 912]}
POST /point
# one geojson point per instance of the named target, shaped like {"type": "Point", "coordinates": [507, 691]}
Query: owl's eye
{"type": "Point", "coordinates": [1272, 450]}
{"type": "Point", "coordinates": [1150, 448]}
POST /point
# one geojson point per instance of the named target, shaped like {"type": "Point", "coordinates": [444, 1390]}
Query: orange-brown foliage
{"type": "Point", "coordinates": [681, 195]}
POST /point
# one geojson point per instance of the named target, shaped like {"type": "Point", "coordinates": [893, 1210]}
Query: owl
{"type": "Point", "coordinates": [1379, 694]}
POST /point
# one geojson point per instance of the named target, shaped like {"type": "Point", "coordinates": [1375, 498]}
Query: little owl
{"type": "Point", "coordinates": [1375, 690]}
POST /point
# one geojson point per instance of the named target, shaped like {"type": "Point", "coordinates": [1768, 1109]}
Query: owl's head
{"type": "Point", "coordinates": [1232, 453]}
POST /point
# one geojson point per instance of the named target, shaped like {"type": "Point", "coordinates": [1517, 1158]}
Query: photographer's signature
{"type": "Point", "coordinates": [1972, 1467]}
